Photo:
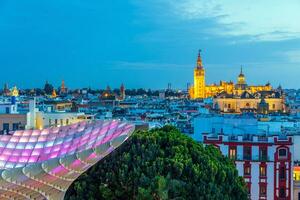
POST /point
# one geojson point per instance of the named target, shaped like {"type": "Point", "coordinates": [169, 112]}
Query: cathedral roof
{"type": "Point", "coordinates": [268, 94]}
{"type": "Point", "coordinates": [247, 95]}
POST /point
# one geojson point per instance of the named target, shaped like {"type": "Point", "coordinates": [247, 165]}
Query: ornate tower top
{"type": "Point", "coordinates": [241, 77]}
{"type": "Point", "coordinates": [199, 61]}
{"type": "Point", "coordinates": [54, 95]}
{"type": "Point", "coordinates": [241, 73]}
{"type": "Point", "coordinates": [63, 87]}
{"type": "Point", "coordinates": [14, 92]}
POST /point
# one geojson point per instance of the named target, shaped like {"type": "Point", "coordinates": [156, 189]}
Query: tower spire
{"type": "Point", "coordinates": [241, 69]}
{"type": "Point", "coordinates": [199, 60]}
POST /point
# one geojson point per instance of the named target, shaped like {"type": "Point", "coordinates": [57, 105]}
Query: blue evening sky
{"type": "Point", "coordinates": [148, 43]}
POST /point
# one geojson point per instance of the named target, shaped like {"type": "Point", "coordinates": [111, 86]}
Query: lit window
{"type": "Point", "coordinates": [262, 171]}
{"type": "Point", "coordinates": [232, 152]}
{"type": "Point", "coordinates": [262, 190]}
{"type": "Point", "coordinates": [247, 170]}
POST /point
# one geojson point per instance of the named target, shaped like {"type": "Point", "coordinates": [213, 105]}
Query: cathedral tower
{"type": "Point", "coordinates": [241, 78]}
{"type": "Point", "coordinates": [199, 79]}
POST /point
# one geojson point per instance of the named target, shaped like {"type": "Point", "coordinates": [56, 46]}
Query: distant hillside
{"type": "Point", "coordinates": [160, 164]}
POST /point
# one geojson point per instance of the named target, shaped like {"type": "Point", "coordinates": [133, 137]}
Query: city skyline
{"type": "Point", "coordinates": [147, 44]}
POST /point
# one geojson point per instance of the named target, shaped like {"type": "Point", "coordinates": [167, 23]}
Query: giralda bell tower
{"type": "Point", "coordinates": [199, 79]}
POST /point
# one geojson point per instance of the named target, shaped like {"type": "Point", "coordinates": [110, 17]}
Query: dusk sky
{"type": "Point", "coordinates": [148, 43]}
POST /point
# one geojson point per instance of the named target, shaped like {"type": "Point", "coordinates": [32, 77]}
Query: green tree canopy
{"type": "Point", "coordinates": [160, 164]}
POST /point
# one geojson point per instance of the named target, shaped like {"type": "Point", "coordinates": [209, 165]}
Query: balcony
{"type": "Point", "coordinates": [253, 158]}
{"type": "Point", "coordinates": [247, 157]}
{"type": "Point", "coordinates": [262, 139]}
{"type": "Point", "coordinates": [247, 138]}
{"type": "Point", "coordinates": [233, 138]}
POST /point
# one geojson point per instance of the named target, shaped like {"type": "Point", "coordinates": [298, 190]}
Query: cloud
{"type": "Point", "coordinates": [293, 56]}
{"type": "Point", "coordinates": [267, 20]}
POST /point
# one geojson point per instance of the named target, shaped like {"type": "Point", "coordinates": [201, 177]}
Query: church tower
{"type": "Point", "coordinates": [63, 88]}
{"type": "Point", "coordinates": [241, 78]}
{"type": "Point", "coordinates": [199, 79]}
{"type": "Point", "coordinates": [122, 92]}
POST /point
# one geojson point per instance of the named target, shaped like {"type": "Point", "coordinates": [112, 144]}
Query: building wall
{"type": "Point", "coordinates": [11, 119]}
{"type": "Point", "coordinates": [44, 120]}
{"type": "Point", "coordinates": [234, 105]}
{"type": "Point", "coordinates": [8, 109]}
{"type": "Point", "coordinates": [255, 181]}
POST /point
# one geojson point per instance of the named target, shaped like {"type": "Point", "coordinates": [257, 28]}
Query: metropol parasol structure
{"type": "Point", "coordinates": [42, 164]}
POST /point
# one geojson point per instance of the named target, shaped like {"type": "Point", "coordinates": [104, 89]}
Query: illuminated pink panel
{"type": "Point", "coordinates": [26, 152]}
{"type": "Point", "coordinates": [5, 138]}
{"type": "Point", "coordinates": [13, 159]}
{"type": "Point", "coordinates": [7, 151]}
{"type": "Point", "coordinates": [24, 139]}
{"type": "Point", "coordinates": [36, 133]}
{"type": "Point", "coordinates": [42, 138]}
{"type": "Point", "coordinates": [33, 139]}
{"type": "Point", "coordinates": [33, 159]}
{"type": "Point", "coordinates": [27, 133]}
{"type": "Point", "coordinates": [14, 139]}
{"type": "Point", "coordinates": [4, 157]}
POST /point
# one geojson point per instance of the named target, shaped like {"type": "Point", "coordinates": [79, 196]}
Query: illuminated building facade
{"type": "Point", "coordinates": [42, 164]}
{"type": "Point", "coordinates": [262, 102]}
{"type": "Point", "coordinates": [201, 90]}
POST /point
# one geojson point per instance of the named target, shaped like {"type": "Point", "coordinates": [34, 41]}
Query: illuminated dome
{"type": "Point", "coordinates": [42, 164]}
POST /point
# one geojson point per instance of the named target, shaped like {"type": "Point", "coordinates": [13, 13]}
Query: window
{"type": "Point", "coordinates": [5, 128]}
{"type": "Point", "coordinates": [282, 193]}
{"type": "Point", "coordinates": [263, 153]}
{"type": "Point", "coordinates": [249, 188]}
{"type": "Point", "coordinates": [55, 122]}
{"type": "Point", "coordinates": [229, 106]}
{"type": "Point", "coordinates": [282, 173]}
{"type": "Point", "coordinates": [50, 122]}
{"type": "Point", "coordinates": [282, 153]}
{"type": "Point", "coordinates": [262, 171]}
{"type": "Point", "coordinates": [273, 106]}
{"type": "Point", "coordinates": [67, 121]}
{"type": "Point", "coordinates": [247, 105]}
{"type": "Point", "coordinates": [262, 190]}
{"type": "Point", "coordinates": [299, 196]}
{"type": "Point", "coordinates": [15, 126]}
{"type": "Point", "coordinates": [247, 153]}
{"type": "Point", "coordinates": [247, 170]}
{"type": "Point", "coordinates": [7, 110]}
{"type": "Point", "coordinates": [61, 122]}
{"type": "Point", "coordinates": [232, 152]}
